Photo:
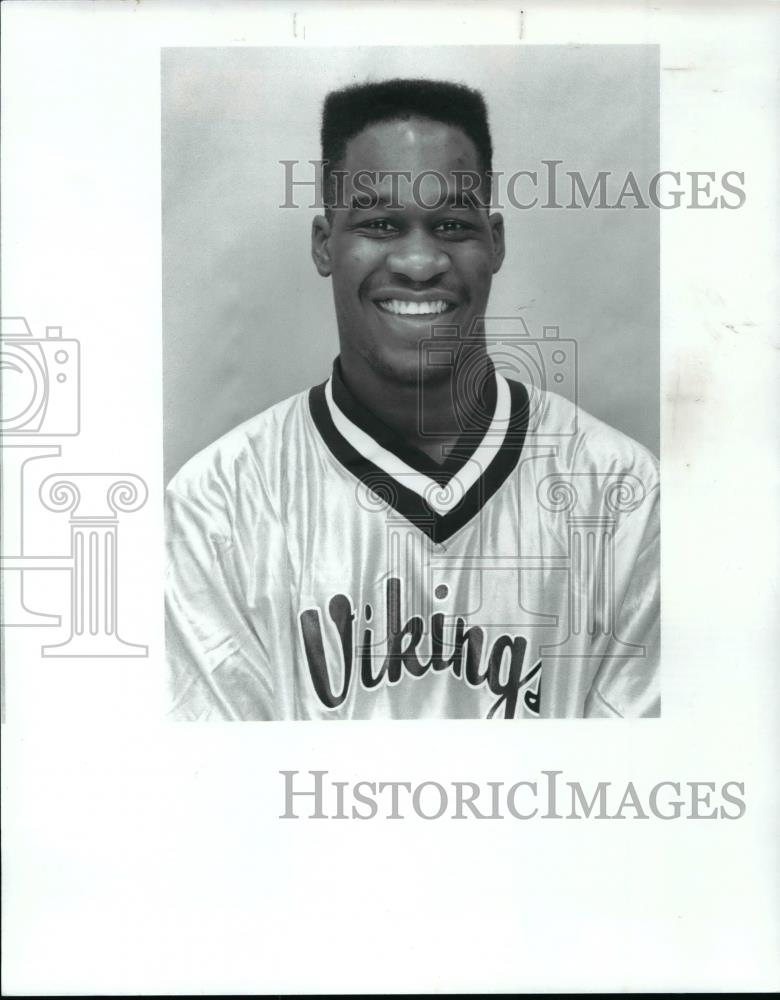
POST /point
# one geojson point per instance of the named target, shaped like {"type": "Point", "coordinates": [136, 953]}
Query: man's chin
{"type": "Point", "coordinates": [406, 366]}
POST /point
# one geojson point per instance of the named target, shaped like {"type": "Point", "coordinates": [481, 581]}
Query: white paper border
{"type": "Point", "coordinates": [144, 857]}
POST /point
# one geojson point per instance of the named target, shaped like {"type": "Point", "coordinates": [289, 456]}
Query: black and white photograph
{"type": "Point", "coordinates": [373, 373]}
{"type": "Point", "coordinates": [458, 520]}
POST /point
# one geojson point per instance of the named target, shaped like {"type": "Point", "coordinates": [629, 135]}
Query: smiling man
{"type": "Point", "coordinates": [420, 536]}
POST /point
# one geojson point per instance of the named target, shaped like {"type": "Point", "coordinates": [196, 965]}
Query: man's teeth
{"type": "Point", "coordinates": [402, 307]}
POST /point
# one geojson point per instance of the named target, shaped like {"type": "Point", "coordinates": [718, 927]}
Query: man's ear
{"type": "Point", "coordinates": [496, 223]}
{"type": "Point", "coordinates": [320, 251]}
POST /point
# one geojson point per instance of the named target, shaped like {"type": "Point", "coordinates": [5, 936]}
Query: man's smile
{"type": "Point", "coordinates": [410, 307]}
{"type": "Point", "coordinates": [414, 304]}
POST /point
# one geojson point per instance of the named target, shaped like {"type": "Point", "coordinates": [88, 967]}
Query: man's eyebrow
{"type": "Point", "coordinates": [370, 200]}
{"type": "Point", "coordinates": [462, 199]}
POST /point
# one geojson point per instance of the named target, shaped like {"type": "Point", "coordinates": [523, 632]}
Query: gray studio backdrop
{"type": "Point", "coordinates": [246, 319]}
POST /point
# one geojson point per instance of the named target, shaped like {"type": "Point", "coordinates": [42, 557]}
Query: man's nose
{"type": "Point", "coordinates": [418, 257]}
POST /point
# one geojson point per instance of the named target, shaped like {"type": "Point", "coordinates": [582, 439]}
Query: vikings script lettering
{"type": "Point", "coordinates": [470, 660]}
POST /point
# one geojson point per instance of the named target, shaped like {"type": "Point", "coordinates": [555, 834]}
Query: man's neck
{"type": "Point", "coordinates": [431, 414]}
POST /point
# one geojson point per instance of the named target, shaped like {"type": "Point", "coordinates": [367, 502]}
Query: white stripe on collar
{"type": "Point", "coordinates": [442, 499]}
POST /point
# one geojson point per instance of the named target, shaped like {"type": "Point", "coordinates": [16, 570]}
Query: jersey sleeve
{"type": "Point", "coordinates": [627, 683]}
{"type": "Point", "coordinates": [217, 656]}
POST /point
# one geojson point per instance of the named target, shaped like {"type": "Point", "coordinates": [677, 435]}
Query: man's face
{"type": "Point", "coordinates": [417, 256]}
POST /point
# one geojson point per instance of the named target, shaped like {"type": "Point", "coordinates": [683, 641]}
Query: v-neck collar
{"type": "Point", "coordinates": [439, 499]}
{"type": "Point", "coordinates": [467, 443]}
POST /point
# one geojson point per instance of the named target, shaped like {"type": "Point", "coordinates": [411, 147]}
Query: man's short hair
{"type": "Point", "coordinates": [347, 112]}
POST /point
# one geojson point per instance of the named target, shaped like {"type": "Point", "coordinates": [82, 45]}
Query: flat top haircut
{"type": "Point", "coordinates": [349, 111]}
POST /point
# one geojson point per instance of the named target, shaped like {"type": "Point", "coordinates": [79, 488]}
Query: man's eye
{"type": "Point", "coordinates": [379, 226]}
{"type": "Point", "coordinates": [453, 226]}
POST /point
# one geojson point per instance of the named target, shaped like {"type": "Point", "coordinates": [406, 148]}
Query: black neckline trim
{"type": "Point", "coordinates": [441, 472]}
{"type": "Point", "coordinates": [438, 527]}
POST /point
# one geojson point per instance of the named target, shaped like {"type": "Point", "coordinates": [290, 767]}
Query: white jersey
{"type": "Point", "coordinates": [319, 568]}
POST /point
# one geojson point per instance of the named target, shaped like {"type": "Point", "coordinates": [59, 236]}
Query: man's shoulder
{"type": "Point", "coordinates": [587, 444]}
{"type": "Point", "coordinates": [243, 454]}
{"type": "Point", "coordinates": [591, 469]}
